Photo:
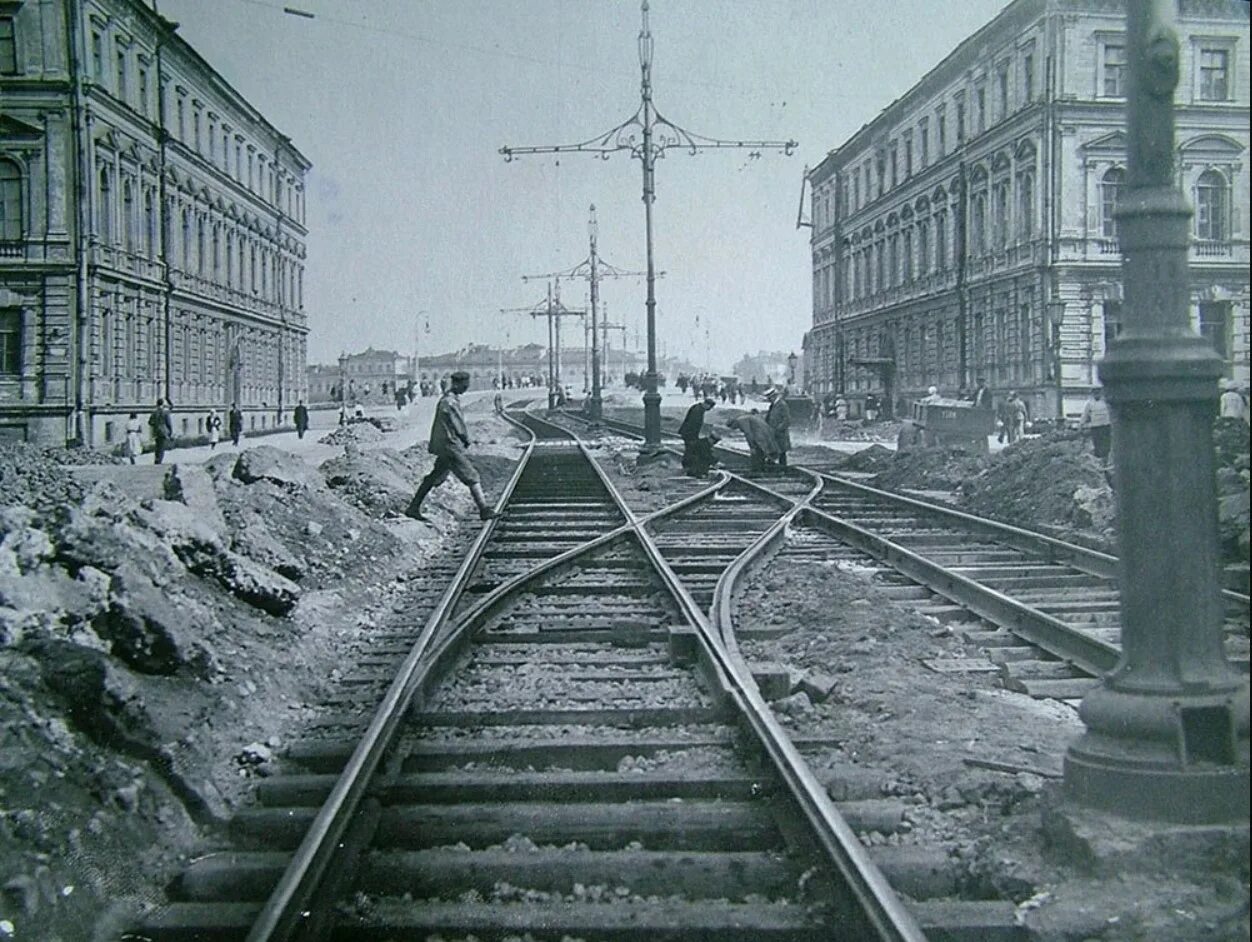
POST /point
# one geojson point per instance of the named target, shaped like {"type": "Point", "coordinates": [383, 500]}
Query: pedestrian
{"type": "Point", "coordinates": [1097, 421]}
{"type": "Point", "coordinates": [301, 416]}
{"type": "Point", "coordinates": [1232, 404]}
{"type": "Point", "coordinates": [779, 420]}
{"type": "Point", "coordinates": [498, 402]}
{"type": "Point", "coordinates": [134, 437]}
{"type": "Point", "coordinates": [162, 427]}
{"type": "Point", "coordinates": [697, 451]}
{"type": "Point", "coordinates": [213, 425]}
{"type": "Point", "coordinates": [234, 424]}
{"type": "Point", "coordinates": [760, 439]}
{"type": "Point", "coordinates": [1015, 417]}
{"type": "Point", "coordinates": [841, 408]}
{"type": "Point", "coordinates": [982, 395]}
{"type": "Point", "coordinates": [449, 443]}
{"type": "Point", "coordinates": [871, 407]}
{"type": "Point", "coordinates": [932, 394]}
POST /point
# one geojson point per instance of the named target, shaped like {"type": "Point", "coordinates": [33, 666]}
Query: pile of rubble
{"type": "Point", "coordinates": [354, 433]}
{"type": "Point", "coordinates": [153, 621]}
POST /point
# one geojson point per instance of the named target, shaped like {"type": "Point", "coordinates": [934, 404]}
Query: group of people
{"type": "Point", "coordinates": [768, 437]}
{"type": "Point", "coordinates": [161, 428]}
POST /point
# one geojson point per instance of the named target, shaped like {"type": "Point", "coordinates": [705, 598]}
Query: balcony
{"type": "Point", "coordinates": [12, 250]}
{"type": "Point", "coordinates": [1205, 248]}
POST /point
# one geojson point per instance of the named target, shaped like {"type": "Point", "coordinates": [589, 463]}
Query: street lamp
{"type": "Point", "coordinates": [791, 368]}
{"type": "Point", "coordinates": [1056, 317]}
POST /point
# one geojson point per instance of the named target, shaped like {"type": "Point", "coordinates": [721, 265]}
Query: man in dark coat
{"type": "Point", "coordinates": [162, 427]}
{"type": "Point", "coordinates": [778, 418]}
{"type": "Point", "coordinates": [301, 416]}
{"type": "Point", "coordinates": [234, 424]}
{"type": "Point", "coordinates": [760, 439]}
{"type": "Point", "coordinates": [982, 396]}
{"type": "Point", "coordinates": [449, 443]}
{"type": "Point", "coordinates": [697, 449]}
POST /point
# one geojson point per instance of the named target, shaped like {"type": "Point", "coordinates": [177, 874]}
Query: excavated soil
{"type": "Point", "coordinates": [155, 655]}
{"type": "Point", "coordinates": [923, 734]}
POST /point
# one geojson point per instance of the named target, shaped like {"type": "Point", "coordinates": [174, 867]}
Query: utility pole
{"type": "Point", "coordinates": [593, 268]}
{"type": "Point", "coordinates": [647, 135]}
{"type": "Point", "coordinates": [1167, 728]}
{"type": "Point", "coordinates": [553, 310]}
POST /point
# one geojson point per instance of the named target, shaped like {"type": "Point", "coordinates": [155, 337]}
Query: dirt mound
{"type": "Point", "coordinates": [377, 481]}
{"type": "Point", "coordinates": [931, 469]}
{"type": "Point", "coordinates": [357, 433]}
{"type": "Point", "coordinates": [31, 477]}
{"type": "Point", "coordinates": [854, 430]}
{"type": "Point", "coordinates": [1053, 480]}
{"type": "Point", "coordinates": [875, 458]}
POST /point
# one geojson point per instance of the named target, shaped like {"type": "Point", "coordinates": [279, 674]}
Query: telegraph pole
{"type": "Point", "coordinates": [646, 135]}
{"type": "Point", "coordinates": [553, 310]}
{"type": "Point", "coordinates": [592, 268]}
{"type": "Point", "coordinates": [1167, 729]}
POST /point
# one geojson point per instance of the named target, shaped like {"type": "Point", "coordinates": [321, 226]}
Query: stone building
{"type": "Point", "coordinates": [152, 230]}
{"type": "Point", "coordinates": [968, 229]}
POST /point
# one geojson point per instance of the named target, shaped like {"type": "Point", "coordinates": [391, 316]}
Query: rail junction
{"type": "Point", "coordinates": [574, 713]}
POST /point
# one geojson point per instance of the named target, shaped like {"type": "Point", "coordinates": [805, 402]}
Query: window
{"type": "Point", "coordinates": [8, 46]}
{"type": "Point", "coordinates": [978, 223]}
{"type": "Point", "coordinates": [869, 192]}
{"type": "Point", "coordinates": [1002, 87]}
{"type": "Point", "coordinates": [856, 192]}
{"type": "Point", "coordinates": [1028, 77]}
{"type": "Point", "coordinates": [895, 168]}
{"type": "Point", "coordinates": [1110, 193]}
{"type": "Point", "coordinates": [1212, 207]}
{"type": "Point", "coordinates": [106, 205]}
{"type": "Point", "coordinates": [186, 240]}
{"type": "Point", "coordinates": [128, 215]}
{"type": "Point", "coordinates": [217, 253]}
{"type": "Point", "coordinates": [923, 142]}
{"type": "Point", "coordinates": [980, 100]}
{"type": "Point", "coordinates": [122, 91]}
{"type": "Point", "coordinates": [226, 150]}
{"type": "Point", "coordinates": [908, 256]}
{"type": "Point", "coordinates": [1214, 74]}
{"type": "Point", "coordinates": [182, 119]}
{"type": "Point", "coordinates": [97, 55]}
{"type": "Point", "coordinates": [1113, 79]}
{"type": "Point", "coordinates": [882, 178]}
{"type": "Point", "coordinates": [1001, 208]}
{"type": "Point", "coordinates": [195, 129]}
{"type": "Point", "coordinates": [10, 342]}
{"type": "Point", "coordinates": [1215, 325]}
{"type": "Point", "coordinates": [941, 240]}
{"type": "Point", "coordinates": [1026, 204]}
{"type": "Point", "coordinates": [11, 228]}
{"type": "Point", "coordinates": [941, 132]}
{"type": "Point", "coordinates": [908, 157]}
{"type": "Point", "coordinates": [960, 121]}
{"type": "Point", "coordinates": [1112, 321]}
{"type": "Point", "coordinates": [150, 222]}
{"type": "Point", "coordinates": [893, 269]}
{"type": "Point", "coordinates": [142, 73]}
{"type": "Point", "coordinates": [923, 248]}
{"type": "Point", "coordinates": [212, 139]}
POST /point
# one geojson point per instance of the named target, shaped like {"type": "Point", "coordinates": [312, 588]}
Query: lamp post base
{"type": "Point", "coordinates": [1164, 757]}
{"type": "Point", "coordinates": [652, 418]}
{"type": "Point", "coordinates": [595, 408]}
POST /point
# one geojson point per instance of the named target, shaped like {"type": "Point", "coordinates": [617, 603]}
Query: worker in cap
{"type": "Point", "coordinates": [449, 443]}
{"type": "Point", "coordinates": [697, 444]}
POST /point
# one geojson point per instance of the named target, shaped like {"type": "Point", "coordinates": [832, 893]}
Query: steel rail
{"type": "Point", "coordinates": [1090, 561]}
{"type": "Point", "coordinates": [888, 917]}
{"type": "Point", "coordinates": [290, 901]}
{"type": "Point", "coordinates": [1070, 644]}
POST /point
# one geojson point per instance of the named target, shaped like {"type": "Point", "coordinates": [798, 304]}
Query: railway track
{"type": "Point", "coordinates": [569, 750]}
{"type": "Point", "coordinates": [1049, 611]}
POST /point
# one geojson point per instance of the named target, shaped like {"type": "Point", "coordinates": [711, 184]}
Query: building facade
{"type": "Point", "coordinates": [152, 230]}
{"type": "Point", "coordinates": [968, 230]}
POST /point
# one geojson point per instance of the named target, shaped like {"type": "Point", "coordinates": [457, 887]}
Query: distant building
{"type": "Point", "coordinates": [772, 367]}
{"type": "Point", "coordinates": [152, 230]}
{"type": "Point", "coordinates": [968, 230]}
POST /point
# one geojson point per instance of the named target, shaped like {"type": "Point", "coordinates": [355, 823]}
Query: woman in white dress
{"type": "Point", "coordinates": [134, 437]}
{"type": "Point", "coordinates": [213, 425]}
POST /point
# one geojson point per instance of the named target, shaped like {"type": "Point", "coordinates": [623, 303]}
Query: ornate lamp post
{"type": "Point", "coordinates": [1056, 317]}
{"type": "Point", "coordinates": [647, 135]}
{"type": "Point", "coordinates": [1167, 729]}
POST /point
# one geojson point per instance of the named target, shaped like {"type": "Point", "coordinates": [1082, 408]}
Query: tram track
{"type": "Point", "coordinates": [1047, 611]}
{"type": "Point", "coordinates": [539, 684]}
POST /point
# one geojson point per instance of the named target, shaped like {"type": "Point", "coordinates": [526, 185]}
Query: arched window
{"type": "Point", "coordinates": [1110, 194]}
{"type": "Point", "coordinates": [978, 223]}
{"type": "Point", "coordinates": [106, 205]}
{"type": "Point", "coordinates": [923, 247]}
{"type": "Point", "coordinates": [908, 255]}
{"type": "Point", "coordinates": [941, 240]}
{"type": "Point", "coordinates": [1026, 204]}
{"type": "Point", "coordinates": [1212, 207]}
{"type": "Point", "coordinates": [11, 227]}
{"type": "Point", "coordinates": [1000, 197]}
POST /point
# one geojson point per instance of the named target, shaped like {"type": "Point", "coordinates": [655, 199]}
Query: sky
{"type": "Point", "coordinates": [415, 218]}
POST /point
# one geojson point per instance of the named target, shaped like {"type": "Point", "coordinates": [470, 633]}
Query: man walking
{"type": "Point", "coordinates": [301, 416]}
{"type": "Point", "coordinates": [162, 427]}
{"type": "Point", "coordinates": [982, 395]}
{"type": "Point", "coordinates": [234, 424]}
{"type": "Point", "coordinates": [778, 418]}
{"type": "Point", "coordinates": [449, 442]}
{"type": "Point", "coordinates": [1096, 420]}
{"type": "Point", "coordinates": [697, 451]}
